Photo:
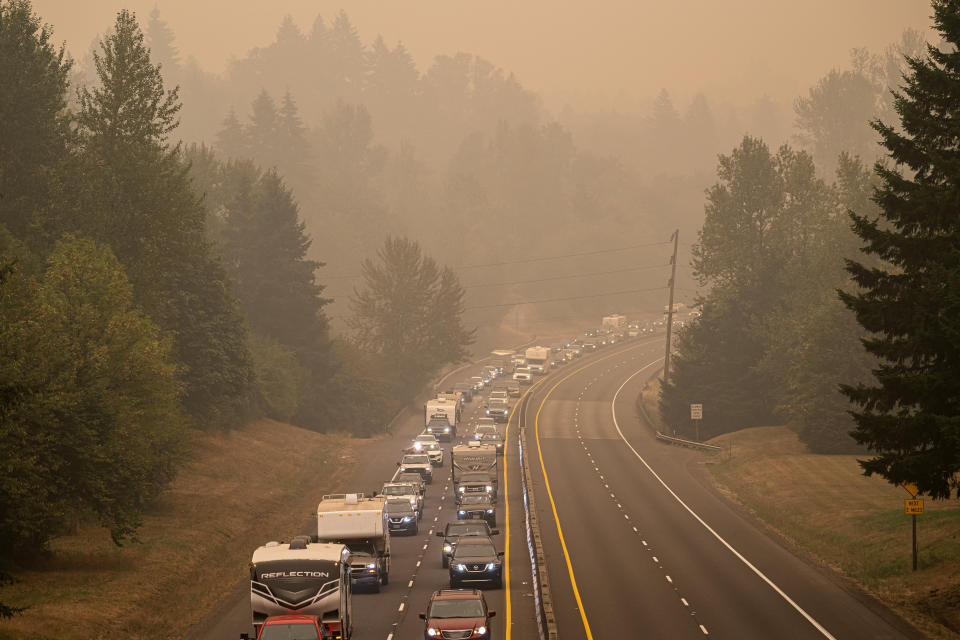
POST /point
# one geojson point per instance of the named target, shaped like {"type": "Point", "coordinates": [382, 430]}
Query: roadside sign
{"type": "Point", "coordinates": [911, 488]}
{"type": "Point", "coordinates": [696, 412]}
{"type": "Point", "coordinates": [913, 507]}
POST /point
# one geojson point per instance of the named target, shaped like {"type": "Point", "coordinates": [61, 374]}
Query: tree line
{"type": "Point", "coordinates": [786, 257]}
{"type": "Point", "coordinates": [150, 290]}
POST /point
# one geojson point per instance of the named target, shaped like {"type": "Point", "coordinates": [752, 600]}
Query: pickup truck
{"type": "Point", "coordinates": [417, 463]}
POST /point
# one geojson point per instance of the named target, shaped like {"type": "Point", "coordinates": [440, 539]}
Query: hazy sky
{"type": "Point", "coordinates": [589, 52]}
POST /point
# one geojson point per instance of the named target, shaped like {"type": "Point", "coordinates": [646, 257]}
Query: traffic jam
{"type": "Point", "coordinates": [303, 588]}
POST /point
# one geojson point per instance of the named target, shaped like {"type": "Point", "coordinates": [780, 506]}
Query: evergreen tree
{"type": "Point", "coordinates": [135, 196]}
{"type": "Point", "coordinates": [34, 124]}
{"type": "Point", "coordinates": [231, 139]}
{"type": "Point", "coordinates": [910, 416]}
{"type": "Point", "coordinates": [160, 39]}
{"type": "Point", "coordinates": [408, 312]}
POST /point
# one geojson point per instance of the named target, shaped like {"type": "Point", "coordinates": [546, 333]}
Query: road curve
{"type": "Point", "coordinates": [636, 544]}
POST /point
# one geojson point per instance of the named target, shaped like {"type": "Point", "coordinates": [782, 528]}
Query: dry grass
{"type": "Point", "coordinates": [240, 489]}
{"type": "Point", "coordinates": [849, 522]}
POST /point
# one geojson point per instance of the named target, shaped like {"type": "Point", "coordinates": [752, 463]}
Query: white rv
{"type": "Point", "coordinates": [538, 360]}
{"type": "Point", "coordinates": [360, 523]}
{"type": "Point", "coordinates": [302, 577]}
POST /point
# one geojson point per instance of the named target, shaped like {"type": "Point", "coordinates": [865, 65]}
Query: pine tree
{"type": "Point", "coordinates": [135, 196]}
{"type": "Point", "coordinates": [231, 140]}
{"type": "Point", "coordinates": [34, 124]}
{"type": "Point", "coordinates": [160, 38]}
{"type": "Point", "coordinates": [910, 417]}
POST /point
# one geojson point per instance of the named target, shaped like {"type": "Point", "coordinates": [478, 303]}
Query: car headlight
{"type": "Point", "coordinates": [488, 411]}
{"type": "Point", "coordinates": [461, 567]}
{"type": "Point", "coordinates": [418, 445]}
{"type": "Point", "coordinates": [372, 565]}
{"type": "Point", "coordinates": [489, 488]}
{"type": "Point", "coordinates": [491, 566]}
{"type": "Point", "coordinates": [432, 632]}
{"type": "Point", "coordinates": [489, 510]}
{"type": "Point", "coordinates": [448, 548]}
{"type": "Point", "coordinates": [480, 630]}
{"type": "Point", "coordinates": [446, 429]}
{"type": "Point", "coordinates": [462, 512]}
{"type": "Point", "coordinates": [462, 489]}
{"type": "Point", "coordinates": [413, 502]}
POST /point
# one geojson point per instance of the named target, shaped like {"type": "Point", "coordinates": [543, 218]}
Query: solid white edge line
{"type": "Point", "coordinates": [401, 607]}
{"type": "Point", "coordinates": [760, 574]}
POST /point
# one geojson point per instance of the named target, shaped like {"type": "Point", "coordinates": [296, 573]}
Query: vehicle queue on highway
{"type": "Point", "coordinates": [302, 589]}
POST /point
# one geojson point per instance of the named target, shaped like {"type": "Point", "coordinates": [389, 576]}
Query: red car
{"type": "Point", "coordinates": [293, 627]}
{"type": "Point", "coordinates": [457, 613]}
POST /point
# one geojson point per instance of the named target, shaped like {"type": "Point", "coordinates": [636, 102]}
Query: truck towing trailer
{"type": "Point", "coordinates": [360, 523]}
{"type": "Point", "coordinates": [441, 418]}
{"type": "Point", "coordinates": [310, 578]}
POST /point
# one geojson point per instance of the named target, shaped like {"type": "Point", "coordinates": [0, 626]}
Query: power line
{"type": "Point", "coordinates": [578, 275]}
{"type": "Point", "coordinates": [529, 260]}
{"type": "Point", "coordinates": [593, 295]}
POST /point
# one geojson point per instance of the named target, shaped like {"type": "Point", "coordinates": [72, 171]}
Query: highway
{"type": "Point", "coordinates": [637, 544]}
{"type": "Point", "coordinates": [416, 569]}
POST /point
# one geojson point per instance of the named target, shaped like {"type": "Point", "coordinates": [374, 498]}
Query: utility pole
{"type": "Point", "coordinates": [673, 279]}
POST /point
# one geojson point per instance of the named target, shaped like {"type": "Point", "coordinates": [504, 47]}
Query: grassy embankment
{"type": "Point", "coordinates": [239, 490]}
{"type": "Point", "coordinates": [840, 519]}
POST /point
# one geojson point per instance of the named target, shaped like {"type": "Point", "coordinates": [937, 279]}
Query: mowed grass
{"type": "Point", "coordinates": [239, 490]}
{"type": "Point", "coordinates": [854, 524]}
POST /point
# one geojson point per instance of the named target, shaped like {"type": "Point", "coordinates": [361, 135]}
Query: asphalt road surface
{"type": "Point", "coordinates": [638, 546]}
{"type": "Point", "coordinates": [416, 569]}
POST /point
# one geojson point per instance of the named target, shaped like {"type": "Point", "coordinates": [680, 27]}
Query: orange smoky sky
{"type": "Point", "coordinates": [571, 51]}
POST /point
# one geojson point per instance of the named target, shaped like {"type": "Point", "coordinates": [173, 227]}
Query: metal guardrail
{"type": "Point", "coordinates": [542, 594]}
{"type": "Point", "coordinates": [687, 443]}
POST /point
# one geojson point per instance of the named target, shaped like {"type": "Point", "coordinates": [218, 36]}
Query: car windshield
{"type": "Point", "coordinates": [467, 529]}
{"type": "Point", "coordinates": [398, 507]}
{"type": "Point", "coordinates": [291, 631]}
{"type": "Point", "coordinates": [410, 477]}
{"type": "Point", "coordinates": [400, 490]}
{"type": "Point", "coordinates": [474, 550]}
{"type": "Point", "coordinates": [476, 477]}
{"type": "Point", "coordinates": [426, 438]}
{"type": "Point", "coordinates": [416, 460]}
{"type": "Point", "coordinates": [491, 436]}
{"type": "Point", "coordinates": [365, 548]}
{"type": "Point", "coordinates": [459, 608]}
{"type": "Point", "coordinates": [484, 428]}
{"type": "Point", "coordinates": [475, 500]}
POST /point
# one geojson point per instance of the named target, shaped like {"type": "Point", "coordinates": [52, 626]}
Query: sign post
{"type": "Point", "coordinates": [913, 506]}
{"type": "Point", "coordinates": [696, 414]}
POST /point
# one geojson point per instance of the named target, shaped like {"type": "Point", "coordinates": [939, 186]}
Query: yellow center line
{"type": "Point", "coordinates": [546, 482]}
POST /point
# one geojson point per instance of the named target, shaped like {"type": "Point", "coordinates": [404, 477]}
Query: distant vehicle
{"type": "Point", "coordinates": [427, 443]}
{"type": "Point", "coordinates": [483, 428]}
{"type": "Point", "coordinates": [466, 388]}
{"type": "Point", "coordinates": [589, 347]}
{"type": "Point", "coordinates": [407, 490]}
{"type": "Point", "coordinates": [360, 523]}
{"type": "Point", "coordinates": [495, 439]}
{"type": "Point", "coordinates": [485, 422]}
{"type": "Point", "coordinates": [292, 626]}
{"type": "Point", "coordinates": [538, 360]}
{"type": "Point", "coordinates": [402, 517]}
{"type": "Point", "coordinates": [476, 560]}
{"type": "Point", "coordinates": [480, 381]}
{"type": "Point", "coordinates": [615, 322]}
{"type": "Point", "coordinates": [513, 388]}
{"type": "Point", "coordinates": [454, 531]}
{"type": "Point", "coordinates": [477, 507]}
{"type": "Point", "coordinates": [307, 578]}
{"type": "Point", "coordinates": [417, 463]}
{"type": "Point", "coordinates": [522, 375]}
{"type": "Point", "coordinates": [498, 409]}
{"type": "Point", "coordinates": [499, 393]}
{"type": "Point", "coordinates": [457, 613]}
{"type": "Point", "coordinates": [438, 411]}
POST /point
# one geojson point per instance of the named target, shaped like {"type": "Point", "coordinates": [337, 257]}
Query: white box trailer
{"type": "Point", "coordinates": [538, 359]}
{"type": "Point", "coordinates": [441, 417]}
{"type": "Point", "coordinates": [616, 322]}
{"type": "Point", "coordinates": [303, 577]}
{"type": "Point", "coordinates": [360, 523]}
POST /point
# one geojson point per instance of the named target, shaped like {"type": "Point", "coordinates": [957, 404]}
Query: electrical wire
{"type": "Point", "coordinates": [528, 260]}
{"type": "Point", "coordinates": [592, 295]}
{"type": "Point", "coordinates": [578, 275]}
